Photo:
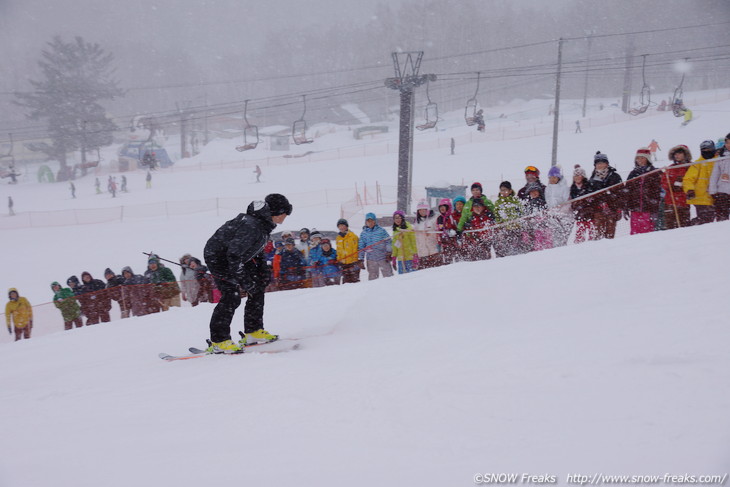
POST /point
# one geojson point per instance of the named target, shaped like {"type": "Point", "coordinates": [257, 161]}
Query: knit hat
{"type": "Point", "coordinates": [643, 152]}
{"type": "Point", "coordinates": [422, 205]}
{"type": "Point", "coordinates": [316, 234]}
{"type": "Point", "coordinates": [371, 216]}
{"type": "Point", "coordinates": [533, 187]}
{"type": "Point", "coordinates": [289, 241]}
{"type": "Point", "coordinates": [599, 157]}
{"type": "Point", "coordinates": [342, 221]}
{"type": "Point", "coordinates": [278, 204]}
{"type": "Point", "coordinates": [707, 145]}
{"type": "Point", "coordinates": [579, 171]}
{"type": "Point", "coordinates": [304, 230]}
{"type": "Point", "coordinates": [477, 202]}
{"type": "Point", "coordinates": [477, 185]}
{"type": "Point", "coordinates": [555, 172]}
{"type": "Point", "coordinates": [445, 202]}
{"type": "Point", "coordinates": [326, 241]}
{"type": "Point", "coordinates": [459, 198]}
{"type": "Point", "coordinates": [399, 213]}
{"type": "Point", "coordinates": [505, 184]}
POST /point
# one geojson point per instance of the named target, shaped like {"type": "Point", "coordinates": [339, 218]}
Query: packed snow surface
{"type": "Point", "coordinates": [608, 357]}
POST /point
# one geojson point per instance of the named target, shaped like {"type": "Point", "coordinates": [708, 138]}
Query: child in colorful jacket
{"type": "Point", "coordinates": [375, 248]}
{"type": "Point", "coordinates": [65, 300]}
{"type": "Point", "coordinates": [477, 239]}
{"type": "Point", "coordinates": [325, 261]}
{"type": "Point", "coordinates": [427, 244]}
{"type": "Point", "coordinates": [446, 225]}
{"type": "Point", "coordinates": [535, 233]}
{"type": "Point", "coordinates": [676, 208]}
{"type": "Point", "coordinates": [507, 209]}
{"type": "Point", "coordinates": [18, 312]}
{"type": "Point", "coordinates": [347, 254]}
{"type": "Point", "coordinates": [404, 244]}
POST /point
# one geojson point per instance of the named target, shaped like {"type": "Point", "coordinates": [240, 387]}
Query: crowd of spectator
{"type": "Point", "coordinates": [539, 216]}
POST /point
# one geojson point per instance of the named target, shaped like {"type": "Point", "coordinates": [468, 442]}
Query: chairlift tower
{"type": "Point", "coordinates": [407, 78]}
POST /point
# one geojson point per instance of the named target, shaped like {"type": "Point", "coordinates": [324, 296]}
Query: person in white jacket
{"type": "Point", "coordinates": [426, 237]}
{"type": "Point", "coordinates": [557, 194]}
{"type": "Point", "coordinates": [720, 182]}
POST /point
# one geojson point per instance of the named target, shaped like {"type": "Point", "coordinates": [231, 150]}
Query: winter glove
{"type": "Point", "coordinates": [691, 194]}
{"type": "Point", "coordinates": [452, 233]}
{"type": "Point", "coordinates": [393, 263]}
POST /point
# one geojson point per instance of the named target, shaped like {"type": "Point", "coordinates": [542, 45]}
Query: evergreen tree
{"type": "Point", "coordinates": [77, 75]}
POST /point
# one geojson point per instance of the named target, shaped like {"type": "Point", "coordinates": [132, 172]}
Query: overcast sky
{"type": "Point", "coordinates": [162, 43]}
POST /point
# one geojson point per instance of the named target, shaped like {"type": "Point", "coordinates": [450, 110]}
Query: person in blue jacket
{"type": "Point", "coordinates": [375, 248]}
{"type": "Point", "coordinates": [325, 261]}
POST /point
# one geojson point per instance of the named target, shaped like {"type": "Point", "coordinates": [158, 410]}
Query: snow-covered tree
{"type": "Point", "coordinates": [77, 75]}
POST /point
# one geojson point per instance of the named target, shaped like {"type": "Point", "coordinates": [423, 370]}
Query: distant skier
{"type": "Point", "coordinates": [124, 184]}
{"type": "Point", "coordinates": [577, 127]}
{"type": "Point", "coordinates": [235, 257]}
{"type": "Point", "coordinates": [97, 185]}
{"type": "Point", "coordinates": [148, 178]}
{"type": "Point", "coordinates": [73, 190]}
{"type": "Point", "coordinates": [453, 146]}
{"type": "Point", "coordinates": [10, 206]}
{"type": "Point", "coordinates": [257, 172]}
{"type": "Point", "coordinates": [653, 146]}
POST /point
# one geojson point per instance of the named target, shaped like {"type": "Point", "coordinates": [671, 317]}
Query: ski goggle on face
{"type": "Point", "coordinates": [531, 169]}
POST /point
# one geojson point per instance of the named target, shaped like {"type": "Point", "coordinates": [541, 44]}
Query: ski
{"type": "Point", "coordinates": [198, 352]}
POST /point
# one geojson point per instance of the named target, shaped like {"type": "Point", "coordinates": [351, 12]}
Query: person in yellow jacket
{"type": "Point", "coordinates": [697, 181]}
{"type": "Point", "coordinates": [347, 254]}
{"type": "Point", "coordinates": [405, 251]}
{"type": "Point", "coordinates": [20, 313]}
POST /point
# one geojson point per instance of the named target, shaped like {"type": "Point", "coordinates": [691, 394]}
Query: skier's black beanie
{"type": "Point", "coordinates": [278, 204]}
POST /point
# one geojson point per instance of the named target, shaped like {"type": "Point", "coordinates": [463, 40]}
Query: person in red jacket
{"type": "Point", "coordinates": [676, 208]}
{"type": "Point", "coordinates": [477, 237]}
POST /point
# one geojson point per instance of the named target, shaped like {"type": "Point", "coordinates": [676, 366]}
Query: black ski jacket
{"type": "Point", "coordinates": [234, 253]}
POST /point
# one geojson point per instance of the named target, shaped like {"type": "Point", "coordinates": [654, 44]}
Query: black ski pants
{"type": "Point", "coordinates": [220, 321]}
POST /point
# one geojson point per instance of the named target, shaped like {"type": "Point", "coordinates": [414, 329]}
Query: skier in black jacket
{"type": "Point", "coordinates": [235, 257]}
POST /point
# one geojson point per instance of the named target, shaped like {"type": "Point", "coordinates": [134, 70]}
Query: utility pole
{"type": "Point", "coordinates": [585, 84]}
{"type": "Point", "coordinates": [205, 121]}
{"type": "Point", "coordinates": [406, 80]}
{"type": "Point", "coordinates": [556, 114]}
{"type": "Point", "coordinates": [183, 131]}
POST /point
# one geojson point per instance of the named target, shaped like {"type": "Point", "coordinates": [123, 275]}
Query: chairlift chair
{"type": "Point", "coordinates": [250, 132]}
{"type": "Point", "coordinates": [299, 128]}
{"type": "Point", "coordinates": [470, 112]}
{"type": "Point", "coordinates": [431, 113]}
{"type": "Point", "coordinates": [645, 95]}
{"type": "Point", "coordinates": [677, 103]}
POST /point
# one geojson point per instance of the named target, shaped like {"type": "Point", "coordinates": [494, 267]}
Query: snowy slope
{"type": "Point", "coordinates": [529, 364]}
{"type": "Point", "coordinates": [604, 357]}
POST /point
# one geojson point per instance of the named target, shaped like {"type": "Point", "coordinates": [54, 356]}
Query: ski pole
{"type": "Point", "coordinates": [150, 254]}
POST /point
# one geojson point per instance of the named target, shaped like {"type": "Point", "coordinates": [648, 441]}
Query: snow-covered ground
{"type": "Point", "coordinates": [608, 357]}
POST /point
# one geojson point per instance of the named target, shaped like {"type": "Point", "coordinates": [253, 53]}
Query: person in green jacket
{"type": "Point", "coordinates": [476, 192]}
{"type": "Point", "coordinates": [165, 287]}
{"type": "Point", "coordinates": [65, 300]}
{"type": "Point", "coordinates": [508, 208]}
